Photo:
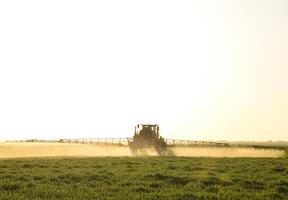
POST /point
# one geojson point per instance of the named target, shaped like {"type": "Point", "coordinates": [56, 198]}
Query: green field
{"type": "Point", "coordinates": [144, 178]}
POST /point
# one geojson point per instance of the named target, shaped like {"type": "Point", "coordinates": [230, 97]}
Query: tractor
{"type": "Point", "coordinates": [147, 136]}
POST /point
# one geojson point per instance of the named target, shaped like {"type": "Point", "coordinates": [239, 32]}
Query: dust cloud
{"type": "Point", "coordinates": [33, 149]}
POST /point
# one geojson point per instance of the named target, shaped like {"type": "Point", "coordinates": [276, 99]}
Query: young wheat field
{"type": "Point", "coordinates": [144, 178]}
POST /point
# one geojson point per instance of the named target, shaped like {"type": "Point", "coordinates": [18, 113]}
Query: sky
{"type": "Point", "coordinates": [202, 70]}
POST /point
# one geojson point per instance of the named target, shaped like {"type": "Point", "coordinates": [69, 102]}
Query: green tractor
{"type": "Point", "coordinates": [147, 136]}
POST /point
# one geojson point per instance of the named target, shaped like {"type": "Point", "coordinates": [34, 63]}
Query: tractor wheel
{"type": "Point", "coordinates": [133, 148]}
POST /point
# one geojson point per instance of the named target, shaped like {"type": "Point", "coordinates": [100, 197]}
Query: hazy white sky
{"type": "Point", "coordinates": [201, 69]}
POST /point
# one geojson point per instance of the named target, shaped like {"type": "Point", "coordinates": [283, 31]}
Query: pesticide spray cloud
{"type": "Point", "coordinates": [26, 149]}
{"type": "Point", "coordinates": [31, 149]}
{"type": "Point", "coordinates": [226, 152]}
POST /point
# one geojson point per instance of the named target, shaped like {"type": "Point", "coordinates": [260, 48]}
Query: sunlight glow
{"type": "Point", "coordinates": [201, 69]}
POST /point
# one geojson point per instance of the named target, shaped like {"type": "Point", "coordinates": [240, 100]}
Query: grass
{"type": "Point", "coordinates": [144, 178]}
